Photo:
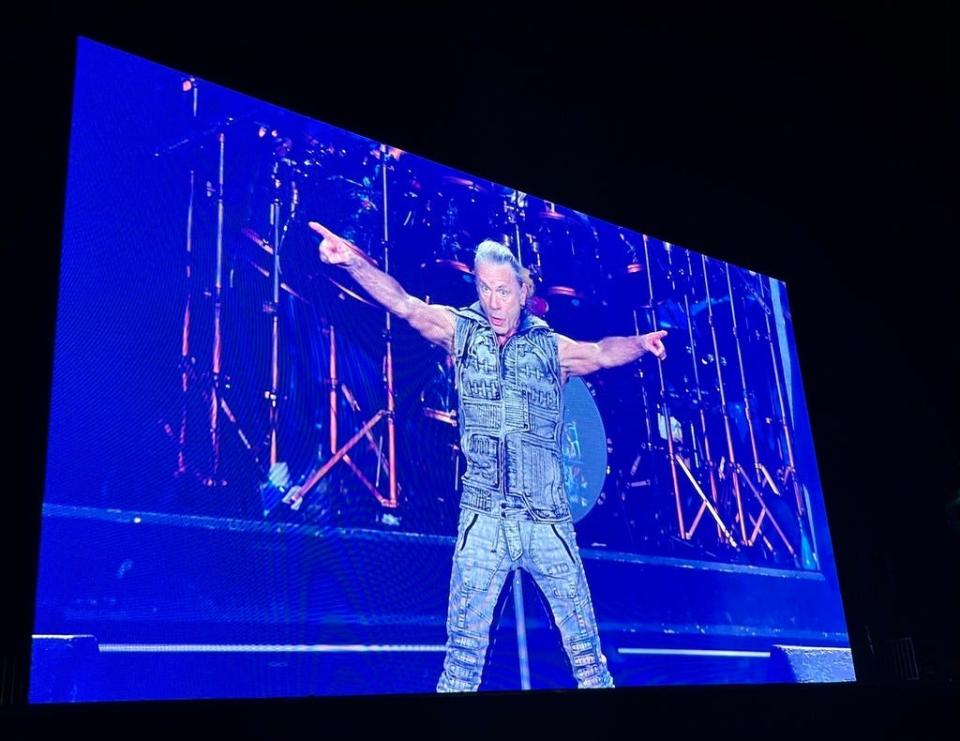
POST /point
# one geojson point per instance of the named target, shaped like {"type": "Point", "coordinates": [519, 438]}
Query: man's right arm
{"type": "Point", "coordinates": [435, 323]}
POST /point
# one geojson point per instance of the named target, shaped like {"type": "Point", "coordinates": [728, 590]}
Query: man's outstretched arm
{"type": "Point", "coordinates": [581, 358]}
{"type": "Point", "coordinates": [436, 323]}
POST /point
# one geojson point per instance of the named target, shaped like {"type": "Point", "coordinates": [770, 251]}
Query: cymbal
{"type": "Point", "coordinates": [564, 299]}
{"type": "Point", "coordinates": [464, 183]}
{"type": "Point", "coordinates": [565, 291]}
{"type": "Point", "coordinates": [348, 181]}
{"type": "Point", "coordinates": [574, 218]}
{"type": "Point", "coordinates": [257, 239]}
{"type": "Point", "coordinates": [266, 274]}
{"type": "Point", "coordinates": [349, 292]}
{"type": "Point", "coordinates": [448, 281]}
{"type": "Point", "coordinates": [655, 304]}
{"type": "Point", "coordinates": [551, 215]}
{"type": "Point", "coordinates": [446, 264]}
{"type": "Point", "coordinates": [394, 152]}
{"type": "Point", "coordinates": [440, 415]}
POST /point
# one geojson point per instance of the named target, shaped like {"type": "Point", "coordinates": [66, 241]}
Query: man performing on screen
{"type": "Point", "coordinates": [511, 368]}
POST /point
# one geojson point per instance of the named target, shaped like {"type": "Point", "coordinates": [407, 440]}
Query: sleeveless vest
{"type": "Point", "coordinates": [510, 415]}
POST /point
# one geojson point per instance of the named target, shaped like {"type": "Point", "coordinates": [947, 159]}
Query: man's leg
{"type": "Point", "coordinates": [480, 567]}
{"type": "Point", "coordinates": [553, 560]}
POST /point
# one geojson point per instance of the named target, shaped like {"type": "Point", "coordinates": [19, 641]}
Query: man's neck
{"type": "Point", "coordinates": [502, 338]}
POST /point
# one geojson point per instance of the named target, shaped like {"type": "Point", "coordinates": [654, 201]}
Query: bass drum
{"type": "Point", "coordinates": [583, 446]}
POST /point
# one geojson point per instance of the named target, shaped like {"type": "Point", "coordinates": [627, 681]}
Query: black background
{"type": "Point", "coordinates": [816, 145]}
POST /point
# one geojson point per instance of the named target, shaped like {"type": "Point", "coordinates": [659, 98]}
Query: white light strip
{"type": "Point", "coordinates": [59, 637]}
{"type": "Point", "coordinates": [262, 648]}
{"type": "Point", "coordinates": [815, 648]}
{"type": "Point", "coordinates": [693, 652]}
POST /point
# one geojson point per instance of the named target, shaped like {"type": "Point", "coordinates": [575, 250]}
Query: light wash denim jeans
{"type": "Point", "coordinates": [488, 549]}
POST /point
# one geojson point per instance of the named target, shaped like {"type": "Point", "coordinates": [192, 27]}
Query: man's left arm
{"type": "Point", "coordinates": [581, 358]}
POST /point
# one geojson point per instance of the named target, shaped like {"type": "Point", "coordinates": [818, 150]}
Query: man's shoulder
{"type": "Point", "coordinates": [535, 322]}
{"type": "Point", "coordinates": [472, 312]}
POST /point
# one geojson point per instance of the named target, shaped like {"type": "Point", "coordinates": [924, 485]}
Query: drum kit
{"type": "Point", "coordinates": [710, 428]}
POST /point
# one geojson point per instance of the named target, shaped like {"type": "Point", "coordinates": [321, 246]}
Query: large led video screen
{"type": "Point", "coordinates": [330, 418]}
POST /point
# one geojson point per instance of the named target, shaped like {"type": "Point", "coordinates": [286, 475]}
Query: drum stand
{"type": "Point", "coordinates": [707, 505]}
{"type": "Point", "coordinates": [278, 476]}
{"type": "Point", "coordinates": [515, 210]}
{"type": "Point", "coordinates": [673, 456]}
{"type": "Point", "coordinates": [185, 368]}
{"type": "Point", "coordinates": [208, 385]}
{"type": "Point", "coordinates": [763, 475]}
{"type": "Point", "coordinates": [273, 308]}
{"type": "Point", "coordinates": [294, 497]}
{"type": "Point", "coordinates": [737, 474]}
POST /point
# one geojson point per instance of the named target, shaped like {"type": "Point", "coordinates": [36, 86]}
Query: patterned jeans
{"type": "Point", "coordinates": [489, 548]}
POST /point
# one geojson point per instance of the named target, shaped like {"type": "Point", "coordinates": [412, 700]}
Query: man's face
{"type": "Point", "coordinates": [500, 296]}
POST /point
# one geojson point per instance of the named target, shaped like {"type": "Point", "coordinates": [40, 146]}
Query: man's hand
{"type": "Point", "coordinates": [581, 358]}
{"type": "Point", "coordinates": [436, 323]}
{"type": "Point", "coordinates": [334, 249]}
{"type": "Point", "coordinates": [652, 343]}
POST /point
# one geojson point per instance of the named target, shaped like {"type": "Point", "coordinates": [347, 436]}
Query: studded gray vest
{"type": "Point", "coordinates": [510, 415]}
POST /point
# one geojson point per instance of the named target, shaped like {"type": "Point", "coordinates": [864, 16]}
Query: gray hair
{"type": "Point", "coordinates": [495, 253]}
